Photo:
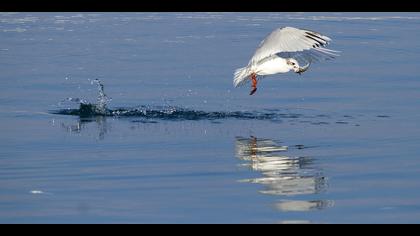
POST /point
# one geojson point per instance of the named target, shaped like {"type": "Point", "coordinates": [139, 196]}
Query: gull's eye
{"type": "Point", "coordinates": [293, 63]}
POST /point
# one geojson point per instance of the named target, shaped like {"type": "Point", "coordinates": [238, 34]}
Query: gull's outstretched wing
{"type": "Point", "coordinates": [292, 42]}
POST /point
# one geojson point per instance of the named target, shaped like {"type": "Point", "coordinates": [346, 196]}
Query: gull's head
{"type": "Point", "coordinates": [293, 64]}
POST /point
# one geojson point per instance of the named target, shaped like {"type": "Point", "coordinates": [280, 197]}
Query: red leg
{"type": "Point", "coordinates": [254, 83]}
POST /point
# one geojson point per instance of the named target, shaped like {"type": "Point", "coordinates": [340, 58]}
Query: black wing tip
{"type": "Point", "coordinates": [319, 42]}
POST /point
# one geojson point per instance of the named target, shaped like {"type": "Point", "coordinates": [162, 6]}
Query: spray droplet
{"type": "Point", "coordinates": [37, 192]}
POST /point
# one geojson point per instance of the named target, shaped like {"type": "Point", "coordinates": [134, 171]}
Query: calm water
{"type": "Point", "coordinates": [339, 144]}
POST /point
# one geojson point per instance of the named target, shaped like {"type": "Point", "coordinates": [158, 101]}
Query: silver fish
{"type": "Point", "coordinates": [303, 69]}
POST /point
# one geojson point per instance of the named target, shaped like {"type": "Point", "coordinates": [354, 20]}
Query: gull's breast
{"type": "Point", "coordinates": [272, 66]}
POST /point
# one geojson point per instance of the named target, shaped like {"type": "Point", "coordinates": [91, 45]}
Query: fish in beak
{"type": "Point", "coordinates": [303, 69]}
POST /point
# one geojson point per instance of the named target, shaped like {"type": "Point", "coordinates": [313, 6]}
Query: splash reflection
{"type": "Point", "coordinates": [100, 123]}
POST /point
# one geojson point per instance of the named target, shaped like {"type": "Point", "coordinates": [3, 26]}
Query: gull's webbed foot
{"type": "Point", "coordinates": [254, 83]}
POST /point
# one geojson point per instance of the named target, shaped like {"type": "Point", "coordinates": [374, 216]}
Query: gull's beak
{"type": "Point", "coordinates": [303, 69]}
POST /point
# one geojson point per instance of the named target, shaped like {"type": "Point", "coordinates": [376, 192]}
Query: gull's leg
{"type": "Point", "coordinates": [254, 83]}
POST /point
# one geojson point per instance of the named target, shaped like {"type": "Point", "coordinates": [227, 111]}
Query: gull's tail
{"type": "Point", "coordinates": [241, 76]}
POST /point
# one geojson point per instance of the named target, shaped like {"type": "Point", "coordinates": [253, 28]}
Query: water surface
{"type": "Point", "coordinates": [173, 142]}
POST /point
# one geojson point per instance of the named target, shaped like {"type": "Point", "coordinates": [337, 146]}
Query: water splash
{"type": "Point", "coordinates": [86, 108]}
{"type": "Point", "coordinates": [174, 113]}
{"type": "Point", "coordinates": [101, 106]}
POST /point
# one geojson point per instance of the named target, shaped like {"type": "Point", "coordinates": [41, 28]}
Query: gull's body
{"type": "Point", "coordinates": [272, 66]}
{"type": "Point", "coordinates": [280, 52]}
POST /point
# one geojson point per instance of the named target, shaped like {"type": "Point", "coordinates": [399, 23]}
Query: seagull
{"type": "Point", "coordinates": [280, 52]}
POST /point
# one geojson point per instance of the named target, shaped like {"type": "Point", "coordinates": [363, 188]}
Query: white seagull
{"type": "Point", "coordinates": [280, 52]}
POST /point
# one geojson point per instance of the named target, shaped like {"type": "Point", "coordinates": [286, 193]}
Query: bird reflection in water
{"type": "Point", "coordinates": [282, 175]}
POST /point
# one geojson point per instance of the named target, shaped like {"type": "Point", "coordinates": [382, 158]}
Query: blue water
{"type": "Point", "coordinates": [179, 144]}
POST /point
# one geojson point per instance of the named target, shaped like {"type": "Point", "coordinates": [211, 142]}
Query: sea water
{"type": "Point", "coordinates": [133, 118]}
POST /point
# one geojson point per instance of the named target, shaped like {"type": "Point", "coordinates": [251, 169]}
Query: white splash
{"type": "Point", "coordinates": [102, 97]}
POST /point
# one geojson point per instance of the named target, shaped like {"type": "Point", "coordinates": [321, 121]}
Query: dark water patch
{"type": "Point", "coordinates": [383, 116]}
{"type": "Point", "coordinates": [177, 113]}
{"type": "Point", "coordinates": [291, 116]}
{"type": "Point", "coordinates": [320, 123]}
{"type": "Point", "coordinates": [323, 116]}
{"type": "Point", "coordinates": [145, 114]}
{"type": "Point", "coordinates": [173, 113]}
{"type": "Point", "coordinates": [301, 146]}
{"type": "Point", "coordinates": [85, 110]}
